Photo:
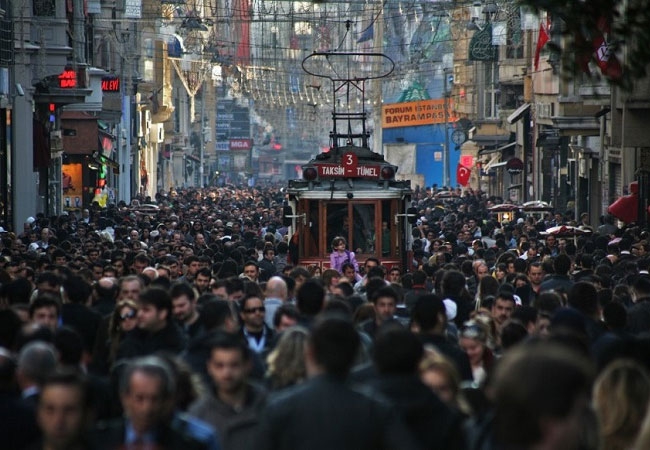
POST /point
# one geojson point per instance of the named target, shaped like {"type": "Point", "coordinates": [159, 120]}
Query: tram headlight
{"type": "Point", "coordinates": [387, 173]}
{"type": "Point", "coordinates": [309, 174]}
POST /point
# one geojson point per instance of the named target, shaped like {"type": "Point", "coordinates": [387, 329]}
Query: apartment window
{"type": "Point", "coordinates": [515, 36]}
{"type": "Point", "coordinates": [105, 54]}
{"type": "Point", "coordinates": [6, 43]}
{"type": "Point", "coordinates": [148, 72]}
{"type": "Point", "coordinates": [511, 96]}
{"type": "Point", "coordinates": [44, 8]}
{"type": "Point", "coordinates": [177, 115]}
{"type": "Point", "coordinates": [490, 101]}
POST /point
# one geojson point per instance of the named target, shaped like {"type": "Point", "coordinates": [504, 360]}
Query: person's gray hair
{"type": "Point", "coordinates": [37, 360]}
{"type": "Point", "coordinates": [153, 366]}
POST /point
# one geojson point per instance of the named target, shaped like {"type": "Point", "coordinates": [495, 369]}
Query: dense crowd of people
{"type": "Point", "coordinates": [187, 322]}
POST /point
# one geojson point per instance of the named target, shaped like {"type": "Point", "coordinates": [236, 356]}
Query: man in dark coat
{"type": "Point", "coordinates": [156, 330]}
{"type": "Point", "coordinates": [233, 405]}
{"type": "Point", "coordinates": [638, 316]}
{"type": "Point", "coordinates": [397, 354]}
{"type": "Point", "coordinates": [583, 297]}
{"type": "Point", "coordinates": [558, 281]}
{"type": "Point", "coordinates": [429, 322]}
{"type": "Point", "coordinates": [324, 412]}
{"type": "Point", "coordinates": [419, 288]}
{"type": "Point", "coordinates": [76, 314]}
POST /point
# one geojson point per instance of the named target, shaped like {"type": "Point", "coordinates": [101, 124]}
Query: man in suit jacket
{"type": "Point", "coordinates": [17, 420]}
{"type": "Point", "coordinates": [35, 361]}
{"type": "Point", "coordinates": [147, 392]}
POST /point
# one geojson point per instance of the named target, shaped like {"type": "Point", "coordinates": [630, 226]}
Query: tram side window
{"type": "Point", "coordinates": [311, 231]}
{"type": "Point", "coordinates": [364, 233]}
{"type": "Point", "coordinates": [385, 228]}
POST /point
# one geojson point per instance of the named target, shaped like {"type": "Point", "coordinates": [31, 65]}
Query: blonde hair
{"type": "Point", "coordinates": [620, 399]}
{"type": "Point", "coordinates": [287, 361]}
{"type": "Point", "coordinates": [435, 361]}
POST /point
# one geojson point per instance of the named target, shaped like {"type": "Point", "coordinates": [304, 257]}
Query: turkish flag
{"type": "Point", "coordinates": [594, 47]}
{"type": "Point", "coordinates": [605, 57]}
{"type": "Point", "coordinates": [462, 174]}
{"type": "Point", "coordinates": [544, 37]}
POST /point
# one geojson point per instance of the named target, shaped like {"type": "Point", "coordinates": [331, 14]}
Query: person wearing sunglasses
{"type": "Point", "coordinates": [258, 335]}
{"type": "Point", "coordinates": [123, 320]}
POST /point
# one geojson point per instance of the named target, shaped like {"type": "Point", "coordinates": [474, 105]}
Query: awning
{"type": "Point", "coordinates": [490, 139]}
{"type": "Point", "coordinates": [576, 125]}
{"type": "Point", "coordinates": [548, 141]}
{"type": "Point", "coordinates": [192, 157]}
{"type": "Point", "coordinates": [495, 159]}
{"type": "Point", "coordinates": [486, 151]}
{"type": "Point", "coordinates": [499, 164]}
{"type": "Point", "coordinates": [518, 114]}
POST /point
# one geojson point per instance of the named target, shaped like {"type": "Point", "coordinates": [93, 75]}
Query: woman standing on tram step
{"type": "Point", "coordinates": [341, 255]}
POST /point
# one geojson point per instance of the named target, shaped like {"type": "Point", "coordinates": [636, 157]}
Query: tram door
{"type": "Point", "coordinates": [310, 244]}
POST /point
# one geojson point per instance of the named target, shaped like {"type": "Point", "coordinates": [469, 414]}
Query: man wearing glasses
{"type": "Point", "coordinates": [258, 335]}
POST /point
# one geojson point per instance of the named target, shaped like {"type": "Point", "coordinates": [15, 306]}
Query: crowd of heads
{"type": "Point", "coordinates": [197, 308]}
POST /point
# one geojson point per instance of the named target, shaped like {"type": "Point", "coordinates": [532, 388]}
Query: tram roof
{"type": "Point", "coordinates": [342, 188]}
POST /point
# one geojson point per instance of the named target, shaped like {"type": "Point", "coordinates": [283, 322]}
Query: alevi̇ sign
{"type": "Point", "coordinates": [110, 84]}
{"type": "Point", "coordinates": [423, 112]}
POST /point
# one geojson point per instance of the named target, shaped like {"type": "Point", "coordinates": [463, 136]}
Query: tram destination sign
{"type": "Point", "coordinates": [340, 171]}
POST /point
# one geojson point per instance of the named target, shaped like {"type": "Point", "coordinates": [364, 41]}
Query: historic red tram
{"type": "Point", "coordinates": [350, 190]}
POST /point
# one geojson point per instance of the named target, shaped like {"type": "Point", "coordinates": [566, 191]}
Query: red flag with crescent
{"type": "Point", "coordinates": [462, 174]}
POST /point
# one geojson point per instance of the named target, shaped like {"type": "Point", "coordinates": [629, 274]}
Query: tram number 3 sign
{"type": "Point", "coordinates": [350, 163]}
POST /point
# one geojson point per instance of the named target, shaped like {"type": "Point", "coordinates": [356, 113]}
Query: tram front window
{"type": "Point", "coordinates": [337, 222]}
{"type": "Point", "coordinates": [356, 223]}
{"type": "Point", "coordinates": [363, 238]}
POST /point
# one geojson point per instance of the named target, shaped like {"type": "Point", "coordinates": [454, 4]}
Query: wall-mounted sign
{"type": "Point", "coordinates": [132, 9]}
{"type": "Point", "coordinates": [467, 160]}
{"type": "Point", "coordinates": [110, 84]}
{"type": "Point", "coordinates": [423, 112]}
{"type": "Point", "coordinates": [240, 144]}
{"type": "Point", "coordinates": [68, 78]}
